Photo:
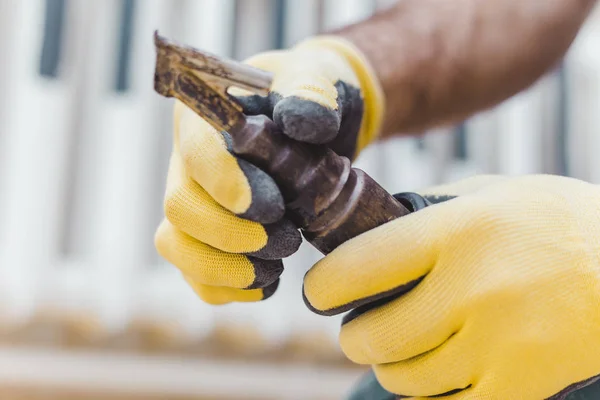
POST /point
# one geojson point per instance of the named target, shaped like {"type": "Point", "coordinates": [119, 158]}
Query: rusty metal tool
{"type": "Point", "coordinates": [326, 198]}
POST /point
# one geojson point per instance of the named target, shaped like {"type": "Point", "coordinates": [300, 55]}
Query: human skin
{"type": "Point", "coordinates": [439, 61]}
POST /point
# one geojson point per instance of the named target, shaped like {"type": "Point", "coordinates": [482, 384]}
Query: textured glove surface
{"type": "Point", "coordinates": [508, 300]}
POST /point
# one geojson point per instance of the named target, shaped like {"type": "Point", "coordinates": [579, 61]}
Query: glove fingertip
{"type": "Point", "coordinates": [266, 272]}
{"type": "Point", "coordinates": [311, 307]}
{"type": "Point", "coordinates": [256, 105]}
{"type": "Point", "coordinates": [284, 239]}
{"type": "Point", "coordinates": [306, 120]}
{"type": "Point", "coordinates": [267, 204]}
{"type": "Point", "coordinates": [270, 290]}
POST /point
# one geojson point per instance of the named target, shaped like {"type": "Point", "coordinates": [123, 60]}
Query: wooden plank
{"type": "Point", "coordinates": [119, 374]}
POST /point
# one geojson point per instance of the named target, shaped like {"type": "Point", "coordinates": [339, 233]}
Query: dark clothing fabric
{"type": "Point", "coordinates": [369, 389]}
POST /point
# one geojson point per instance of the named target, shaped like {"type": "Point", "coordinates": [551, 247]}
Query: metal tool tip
{"type": "Point", "coordinates": [158, 39]}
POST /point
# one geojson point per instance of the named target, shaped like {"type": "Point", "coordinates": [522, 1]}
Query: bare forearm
{"type": "Point", "coordinates": [440, 61]}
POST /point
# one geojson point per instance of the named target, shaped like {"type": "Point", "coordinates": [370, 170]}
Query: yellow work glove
{"type": "Point", "coordinates": [224, 225]}
{"type": "Point", "coordinates": [324, 92]}
{"type": "Point", "coordinates": [507, 304]}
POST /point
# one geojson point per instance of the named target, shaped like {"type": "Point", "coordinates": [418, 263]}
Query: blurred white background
{"type": "Point", "coordinates": [87, 306]}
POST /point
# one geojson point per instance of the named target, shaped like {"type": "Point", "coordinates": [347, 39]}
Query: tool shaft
{"type": "Point", "coordinates": [328, 199]}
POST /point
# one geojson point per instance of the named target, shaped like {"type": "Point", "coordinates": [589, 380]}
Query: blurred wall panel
{"type": "Point", "coordinates": [343, 12]}
{"type": "Point", "coordinates": [441, 158]}
{"type": "Point", "coordinates": [97, 81]}
{"type": "Point", "coordinates": [405, 165]}
{"type": "Point", "coordinates": [482, 138]}
{"type": "Point", "coordinates": [37, 147]}
{"type": "Point", "coordinates": [254, 28]}
{"type": "Point", "coordinates": [128, 121]}
{"type": "Point", "coordinates": [207, 24]}
{"type": "Point", "coordinates": [8, 12]}
{"type": "Point", "coordinates": [520, 123]}
{"type": "Point", "coordinates": [90, 208]}
{"type": "Point", "coordinates": [302, 19]}
{"type": "Point", "coordinates": [553, 127]}
{"type": "Point", "coordinates": [583, 81]}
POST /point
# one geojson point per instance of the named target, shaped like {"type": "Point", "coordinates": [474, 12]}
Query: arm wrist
{"type": "Point", "coordinates": [439, 62]}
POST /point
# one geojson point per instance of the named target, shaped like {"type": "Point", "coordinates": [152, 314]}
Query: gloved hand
{"type": "Point", "coordinates": [508, 300]}
{"type": "Point", "coordinates": [225, 227]}
{"type": "Point", "coordinates": [323, 92]}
